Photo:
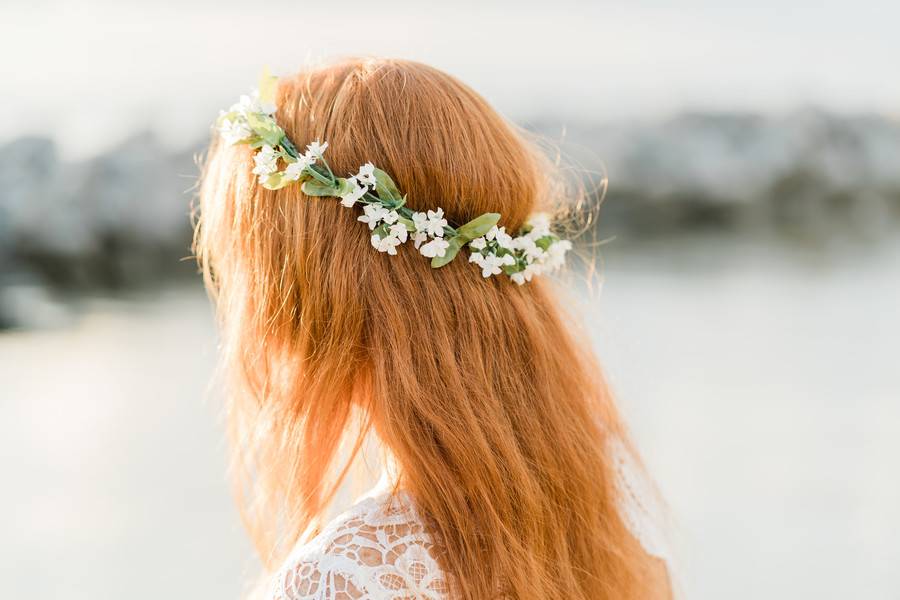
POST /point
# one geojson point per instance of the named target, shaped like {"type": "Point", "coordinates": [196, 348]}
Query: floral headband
{"type": "Point", "coordinates": [533, 251]}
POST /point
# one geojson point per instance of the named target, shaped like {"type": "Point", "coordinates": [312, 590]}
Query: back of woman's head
{"type": "Point", "coordinates": [498, 422]}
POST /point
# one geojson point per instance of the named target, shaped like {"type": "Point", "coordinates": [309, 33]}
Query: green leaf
{"type": "Point", "coordinates": [314, 187]}
{"type": "Point", "coordinates": [266, 128]}
{"type": "Point", "coordinates": [514, 268]}
{"type": "Point", "coordinates": [289, 148]}
{"type": "Point", "coordinates": [276, 181]}
{"type": "Point", "coordinates": [268, 83]}
{"type": "Point", "coordinates": [546, 241]}
{"type": "Point", "coordinates": [381, 231]}
{"type": "Point", "coordinates": [456, 243]}
{"type": "Point", "coordinates": [343, 187]}
{"type": "Point", "coordinates": [478, 226]}
{"type": "Point", "coordinates": [230, 116]}
{"type": "Point", "coordinates": [410, 226]}
{"type": "Point", "coordinates": [386, 188]}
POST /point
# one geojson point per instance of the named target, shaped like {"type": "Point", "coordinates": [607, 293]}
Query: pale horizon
{"type": "Point", "coordinates": [100, 71]}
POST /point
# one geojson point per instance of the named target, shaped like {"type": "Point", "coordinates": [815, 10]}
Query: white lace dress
{"type": "Point", "coordinates": [379, 549]}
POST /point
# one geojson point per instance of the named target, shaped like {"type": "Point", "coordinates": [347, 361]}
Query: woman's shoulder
{"type": "Point", "coordinates": [379, 549]}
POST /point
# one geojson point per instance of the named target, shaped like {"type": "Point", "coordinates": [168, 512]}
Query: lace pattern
{"type": "Point", "coordinates": [380, 549]}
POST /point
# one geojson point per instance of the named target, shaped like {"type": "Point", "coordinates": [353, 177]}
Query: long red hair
{"type": "Point", "coordinates": [499, 421]}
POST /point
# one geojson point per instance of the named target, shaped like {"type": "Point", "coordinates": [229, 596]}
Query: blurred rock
{"type": "Point", "coordinates": [121, 220]}
{"type": "Point", "coordinates": [31, 306]}
{"type": "Point", "coordinates": [806, 172]}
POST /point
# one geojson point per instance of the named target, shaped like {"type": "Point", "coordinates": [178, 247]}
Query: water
{"type": "Point", "coordinates": [761, 386]}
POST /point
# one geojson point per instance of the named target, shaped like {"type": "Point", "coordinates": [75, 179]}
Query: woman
{"type": "Point", "coordinates": [503, 440]}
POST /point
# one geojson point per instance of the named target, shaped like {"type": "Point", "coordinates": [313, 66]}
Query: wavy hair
{"type": "Point", "coordinates": [499, 421]}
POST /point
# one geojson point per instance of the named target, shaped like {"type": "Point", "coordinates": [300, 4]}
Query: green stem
{"type": "Point", "coordinates": [322, 177]}
{"type": "Point", "coordinates": [330, 172]}
{"type": "Point", "coordinates": [289, 148]}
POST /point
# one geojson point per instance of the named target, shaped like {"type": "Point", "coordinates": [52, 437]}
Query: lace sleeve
{"type": "Point", "coordinates": [640, 506]}
{"type": "Point", "coordinates": [379, 550]}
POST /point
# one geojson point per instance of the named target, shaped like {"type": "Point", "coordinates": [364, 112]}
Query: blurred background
{"type": "Point", "coordinates": [748, 312]}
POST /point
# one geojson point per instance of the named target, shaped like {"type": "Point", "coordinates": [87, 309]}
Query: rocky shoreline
{"type": "Point", "coordinates": [121, 220]}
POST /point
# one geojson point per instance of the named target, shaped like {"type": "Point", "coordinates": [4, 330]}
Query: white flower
{"type": "Point", "coordinates": [556, 254]}
{"type": "Point", "coordinates": [531, 250]}
{"type": "Point", "coordinates": [391, 217]}
{"type": "Point", "coordinates": [245, 104]}
{"type": "Point", "coordinates": [436, 247]}
{"type": "Point", "coordinates": [266, 162]}
{"type": "Point", "coordinates": [351, 197]}
{"type": "Point", "coordinates": [316, 149]}
{"type": "Point", "coordinates": [527, 274]}
{"type": "Point", "coordinates": [436, 223]}
{"type": "Point", "coordinates": [420, 220]}
{"type": "Point", "coordinates": [419, 238]}
{"type": "Point", "coordinates": [295, 169]}
{"type": "Point", "coordinates": [234, 131]}
{"type": "Point", "coordinates": [398, 230]}
{"type": "Point", "coordinates": [260, 106]}
{"type": "Point", "coordinates": [385, 244]}
{"type": "Point", "coordinates": [478, 243]}
{"type": "Point", "coordinates": [493, 264]}
{"type": "Point", "coordinates": [504, 240]}
{"type": "Point", "coordinates": [252, 104]}
{"type": "Point", "coordinates": [540, 225]}
{"type": "Point", "coordinates": [374, 214]}
{"type": "Point", "coordinates": [366, 174]}
{"type": "Point", "coordinates": [477, 258]}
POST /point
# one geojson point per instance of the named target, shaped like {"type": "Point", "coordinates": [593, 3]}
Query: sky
{"type": "Point", "coordinates": [90, 73]}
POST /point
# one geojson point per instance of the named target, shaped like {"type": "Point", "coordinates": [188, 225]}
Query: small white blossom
{"type": "Point", "coordinates": [316, 149]}
{"type": "Point", "coordinates": [436, 223]}
{"type": "Point", "coordinates": [373, 215]}
{"type": "Point", "coordinates": [234, 131]}
{"type": "Point", "coordinates": [531, 250]}
{"type": "Point", "coordinates": [490, 265]}
{"type": "Point", "coordinates": [419, 238]}
{"type": "Point", "coordinates": [295, 169]}
{"type": "Point", "coordinates": [556, 254]}
{"type": "Point", "coordinates": [478, 243]}
{"type": "Point", "coordinates": [435, 248]}
{"type": "Point", "coordinates": [391, 217]}
{"type": "Point", "coordinates": [252, 104]}
{"type": "Point", "coordinates": [477, 258]}
{"type": "Point", "coordinates": [266, 162]}
{"type": "Point", "coordinates": [385, 244]}
{"type": "Point", "coordinates": [493, 264]}
{"type": "Point", "coordinates": [398, 230]}
{"type": "Point", "coordinates": [504, 240]}
{"type": "Point", "coordinates": [420, 220]}
{"type": "Point", "coordinates": [527, 274]}
{"type": "Point", "coordinates": [245, 104]}
{"type": "Point", "coordinates": [351, 197]}
{"type": "Point", "coordinates": [366, 174]}
{"type": "Point", "coordinates": [540, 225]}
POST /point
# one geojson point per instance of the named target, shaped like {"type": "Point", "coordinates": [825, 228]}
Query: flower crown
{"type": "Point", "coordinates": [533, 251]}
